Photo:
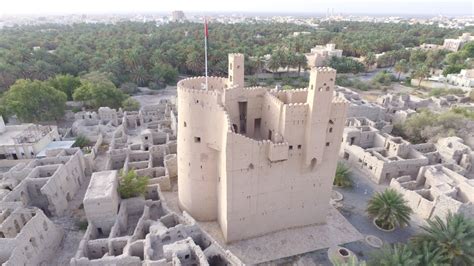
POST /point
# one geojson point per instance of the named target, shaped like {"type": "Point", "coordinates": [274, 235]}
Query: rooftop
{"type": "Point", "coordinates": [101, 185]}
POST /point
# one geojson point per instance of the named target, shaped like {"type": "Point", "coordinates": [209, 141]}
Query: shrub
{"type": "Point", "coordinates": [81, 142]}
{"type": "Point", "coordinates": [132, 185]}
{"type": "Point", "coordinates": [82, 224]}
{"type": "Point", "coordinates": [129, 87]}
{"type": "Point", "coordinates": [389, 209]}
{"type": "Point", "coordinates": [156, 85]}
{"type": "Point", "coordinates": [130, 104]}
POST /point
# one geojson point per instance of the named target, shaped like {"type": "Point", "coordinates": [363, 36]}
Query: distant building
{"type": "Point", "coordinates": [463, 79]}
{"type": "Point", "coordinates": [429, 46]}
{"type": "Point", "coordinates": [24, 141]}
{"type": "Point", "coordinates": [320, 54]}
{"type": "Point", "coordinates": [456, 44]}
{"type": "Point", "coordinates": [177, 16]}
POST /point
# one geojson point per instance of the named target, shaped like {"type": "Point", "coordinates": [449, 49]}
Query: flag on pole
{"type": "Point", "coordinates": [206, 35]}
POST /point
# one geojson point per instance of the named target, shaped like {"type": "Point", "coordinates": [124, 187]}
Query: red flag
{"type": "Point", "coordinates": [206, 31]}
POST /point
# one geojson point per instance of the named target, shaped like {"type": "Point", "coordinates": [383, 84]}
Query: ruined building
{"type": "Point", "coordinates": [257, 160]}
{"type": "Point", "coordinates": [141, 231]}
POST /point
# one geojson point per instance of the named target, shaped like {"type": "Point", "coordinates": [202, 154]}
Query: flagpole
{"type": "Point", "coordinates": [205, 47]}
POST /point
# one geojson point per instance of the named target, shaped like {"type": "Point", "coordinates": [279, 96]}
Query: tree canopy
{"type": "Point", "coordinates": [97, 90]}
{"type": "Point", "coordinates": [34, 101]}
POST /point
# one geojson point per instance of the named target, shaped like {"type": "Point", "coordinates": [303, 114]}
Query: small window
{"type": "Point", "coordinates": [331, 122]}
{"type": "Point", "coordinates": [328, 143]}
{"type": "Point", "coordinates": [185, 125]}
{"type": "Point", "coordinates": [197, 139]}
{"type": "Point", "coordinates": [328, 88]}
{"type": "Point", "coordinates": [230, 65]}
{"type": "Point", "coordinates": [290, 147]}
{"type": "Point", "coordinates": [146, 137]}
{"type": "Point", "coordinates": [299, 147]}
{"type": "Point", "coordinates": [330, 130]}
{"type": "Point", "coordinates": [312, 87]}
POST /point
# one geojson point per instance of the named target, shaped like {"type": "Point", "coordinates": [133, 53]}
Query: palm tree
{"type": "Point", "coordinates": [301, 62]}
{"type": "Point", "coordinates": [421, 72]}
{"type": "Point", "coordinates": [259, 62]}
{"type": "Point", "coordinates": [401, 67]}
{"type": "Point", "coordinates": [454, 238]}
{"type": "Point", "coordinates": [429, 255]}
{"type": "Point", "coordinates": [341, 178]}
{"type": "Point", "coordinates": [369, 59]}
{"type": "Point", "coordinates": [389, 209]}
{"type": "Point", "coordinates": [395, 255]}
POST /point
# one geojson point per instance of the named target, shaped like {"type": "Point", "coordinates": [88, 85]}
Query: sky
{"type": "Point", "coordinates": [411, 7]}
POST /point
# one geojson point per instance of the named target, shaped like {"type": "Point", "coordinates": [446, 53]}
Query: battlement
{"type": "Point", "coordinates": [236, 55]}
{"type": "Point", "coordinates": [195, 83]}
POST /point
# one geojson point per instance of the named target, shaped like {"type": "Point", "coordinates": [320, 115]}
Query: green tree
{"type": "Point", "coordinates": [65, 83]}
{"type": "Point", "coordinates": [453, 237]}
{"type": "Point", "coordinates": [395, 255]}
{"type": "Point", "coordinates": [346, 65]}
{"type": "Point", "coordinates": [389, 209]}
{"type": "Point", "coordinates": [342, 176]}
{"type": "Point", "coordinates": [401, 67]}
{"type": "Point", "coordinates": [132, 185]}
{"type": "Point", "coordinates": [35, 101]}
{"type": "Point", "coordinates": [130, 104]}
{"type": "Point", "coordinates": [97, 91]}
{"type": "Point", "coordinates": [164, 73]}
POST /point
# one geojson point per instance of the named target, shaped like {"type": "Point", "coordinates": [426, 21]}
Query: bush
{"type": "Point", "coordinates": [383, 78]}
{"type": "Point", "coordinates": [130, 104]}
{"type": "Point", "coordinates": [344, 81]}
{"type": "Point", "coordinates": [81, 142]}
{"type": "Point", "coordinates": [156, 85]}
{"type": "Point", "coordinates": [132, 185]}
{"type": "Point", "coordinates": [442, 92]}
{"type": "Point", "coordinates": [82, 224]}
{"type": "Point", "coordinates": [129, 87]}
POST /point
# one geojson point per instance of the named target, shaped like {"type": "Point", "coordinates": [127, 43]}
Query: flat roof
{"type": "Point", "coordinates": [64, 144]}
{"type": "Point", "coordinates": [6, 138]}
{"type": "Point", "coordinates": [102, 185]}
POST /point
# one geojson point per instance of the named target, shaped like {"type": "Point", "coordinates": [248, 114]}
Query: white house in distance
{"type": "Point", "coordinates": [456, 44]}
{"type": "Point", "coordinates": [463, 79]}
{"type": "Point", "coordinates": [322, 53]}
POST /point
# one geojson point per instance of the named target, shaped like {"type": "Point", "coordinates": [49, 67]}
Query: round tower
{"type": "Point", "coordinates": [198, 152]}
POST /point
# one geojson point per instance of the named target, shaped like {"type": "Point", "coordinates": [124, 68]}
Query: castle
{"type": "Point", "coordinates": [254, 159]}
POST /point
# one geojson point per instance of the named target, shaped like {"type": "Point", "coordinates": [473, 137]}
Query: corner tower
{"type": "Point", "coordinates": [236, 70]}
{"type": "Point", "coordinates": [319, 100]}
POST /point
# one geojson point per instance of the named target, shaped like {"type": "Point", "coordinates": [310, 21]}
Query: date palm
{"type": "Point", "coordinates": [389, 209]}
{"type": "Point", "coordinates": [341, 178]}
{"type": "Point", "coordinates": [395, 255]}
{"type": "Point", "coordinates": [454, 238]}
